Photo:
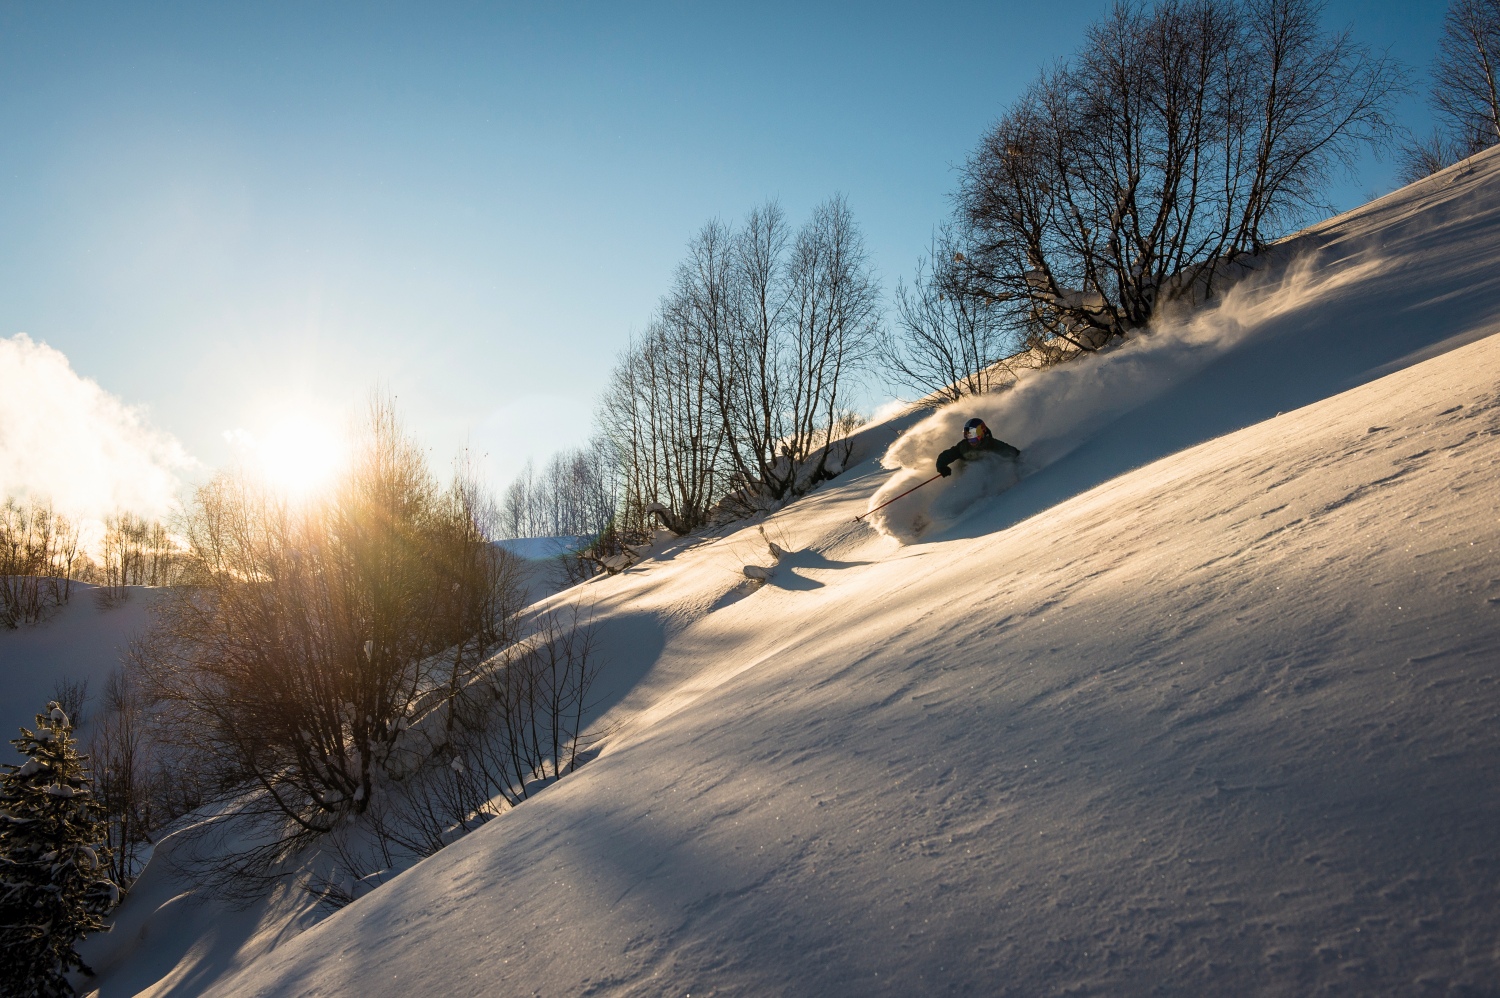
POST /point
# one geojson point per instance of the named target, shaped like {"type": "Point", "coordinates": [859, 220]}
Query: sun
{"type": "Point", "coordinates": [300, 455]}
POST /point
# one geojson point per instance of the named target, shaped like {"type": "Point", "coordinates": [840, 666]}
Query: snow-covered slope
{"type": "Point", "coordinates": [542, 548]}
{"type": "Point", "coordinates": [1205, 704]}
{"type": "Point", "coordinates": [83, 641]}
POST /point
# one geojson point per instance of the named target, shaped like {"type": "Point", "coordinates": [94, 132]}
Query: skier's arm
{"type": "Point", "coordinates": [946, 458]}
{"type": "Point", "coordinates": [1002, 448]}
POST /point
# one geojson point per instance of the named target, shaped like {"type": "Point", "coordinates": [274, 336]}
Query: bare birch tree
{"type": "Point", "coordinates": [1464, 91]}
{"type": "Point", "coordinates": [659, 412]}
{"type": "Point", "coordinates": [744, 377]}
{"type": "Point", "coordinates": [40, 558]}
{"type": "Point", "coordinates": [949, 339]}
{"type": "Point", "coordinates": [574, 495]}
{"type": "Point", "coordinates": [1182, 136]}
{"type": "Point", "coordinates": [834, 301]}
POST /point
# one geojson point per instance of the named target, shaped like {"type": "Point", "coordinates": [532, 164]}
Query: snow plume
{"type": "Point", "coordinates": [64, 438]}
{"type": "Point", "coordinates": [1051, 411]}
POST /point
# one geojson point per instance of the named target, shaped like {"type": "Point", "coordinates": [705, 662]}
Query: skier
{"type": "Point", "coordinates": [977, 440]}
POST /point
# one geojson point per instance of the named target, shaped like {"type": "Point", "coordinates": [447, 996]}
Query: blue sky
{"type": "Point", "coordinates": [221, 213]}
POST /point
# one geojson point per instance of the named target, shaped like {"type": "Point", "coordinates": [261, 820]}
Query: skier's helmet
{"type": "Point", "coordinates": [975, 431]}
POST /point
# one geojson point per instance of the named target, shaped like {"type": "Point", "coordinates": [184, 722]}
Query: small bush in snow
{"type": "Point", "coordinates": [514, 730]}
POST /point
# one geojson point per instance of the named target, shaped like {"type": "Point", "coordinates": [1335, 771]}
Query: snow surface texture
{"type": "Point", "coordinates": [1205, 704]}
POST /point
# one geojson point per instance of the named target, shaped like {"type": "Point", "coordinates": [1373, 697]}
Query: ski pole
{"type": "Point", "coordinates": [894, 498]}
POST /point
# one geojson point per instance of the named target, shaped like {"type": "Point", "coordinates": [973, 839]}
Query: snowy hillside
{"type": "Point", "coordinates": [542, 548]}
{"type": "Point", "coordinates": [539, 571]}
{"type": "Point", "coordinates": [82, 642]}
{"type": "Point", "coordinates": [1206, 703]}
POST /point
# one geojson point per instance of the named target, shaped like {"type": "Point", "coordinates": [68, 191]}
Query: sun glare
{"type": "Point", "coordinates": [300, 455]}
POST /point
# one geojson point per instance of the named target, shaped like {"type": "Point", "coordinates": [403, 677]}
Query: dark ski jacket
{"type": "Point", "coordinates": [967, 451]}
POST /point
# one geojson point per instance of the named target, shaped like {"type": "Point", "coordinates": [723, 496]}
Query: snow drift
{"type": "Point", "coordinates": [1205, 703]}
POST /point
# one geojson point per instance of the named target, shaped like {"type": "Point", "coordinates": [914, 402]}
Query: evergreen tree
{"type": "Point", "coordinates": [54, 885]}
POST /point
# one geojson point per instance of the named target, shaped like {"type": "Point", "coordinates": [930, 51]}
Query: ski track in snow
{"type": "Point", "coordinates": [1205, 703]}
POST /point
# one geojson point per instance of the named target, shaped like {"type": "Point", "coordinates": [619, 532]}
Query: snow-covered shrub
{"type": "Point", "coordinates": [54, 883]}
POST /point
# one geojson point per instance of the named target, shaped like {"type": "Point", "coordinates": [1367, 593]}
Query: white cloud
{"type": "Point", "coordinates": [64, 438]}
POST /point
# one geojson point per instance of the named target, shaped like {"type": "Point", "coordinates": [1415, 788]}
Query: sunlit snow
{"type": "Point", "coordinates": [1204, 703]}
